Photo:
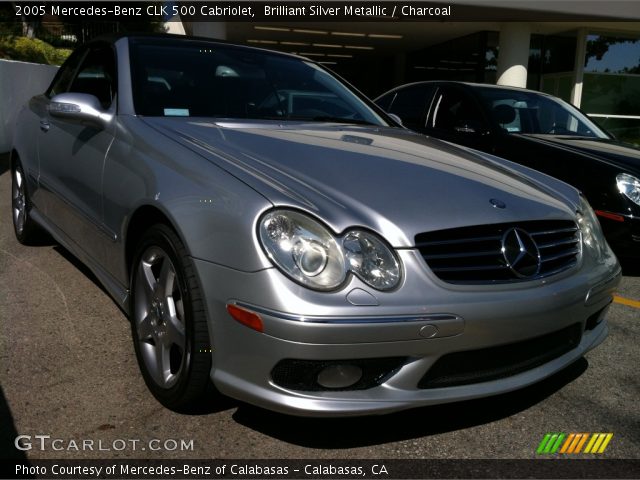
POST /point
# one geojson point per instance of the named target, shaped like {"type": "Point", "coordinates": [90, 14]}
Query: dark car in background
{"type": "Point", "coordinates": [536, 130]}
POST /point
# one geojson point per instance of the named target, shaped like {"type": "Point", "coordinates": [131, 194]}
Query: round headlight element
{"type": "Point", "coordinates": [592, 235]}
{"type": "Point", "coordinates": [303, 249]}
{"type": "Point", "coordinates": [629, 186]}
{"type": "Point", "coordinates": [371, 260]}
{"type": "Point", "coordinates": [311, 257]}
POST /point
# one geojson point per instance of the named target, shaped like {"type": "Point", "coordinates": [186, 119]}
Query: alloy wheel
{"type": "Point", "coordinates": [160, 317]}
{"type": "Point", "coordinates": [18, 200]}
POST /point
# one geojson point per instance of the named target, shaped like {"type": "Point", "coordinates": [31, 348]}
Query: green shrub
{"type": "Point", "coordinates": [31, 50]}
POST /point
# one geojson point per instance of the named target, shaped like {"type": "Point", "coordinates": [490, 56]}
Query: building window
{"type": "Point", "coordinates": [462, 59]}
{"type": "Point", "coordinates": [551, 63]}
{"type": "Point", "coordinates": [611, 86]}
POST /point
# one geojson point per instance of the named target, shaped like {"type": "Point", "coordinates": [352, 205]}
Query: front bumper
{"type": "Point", "coordinates": [420, 322]}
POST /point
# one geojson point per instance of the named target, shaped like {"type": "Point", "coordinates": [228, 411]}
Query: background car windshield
{"type": "Point", "coordinates": [206, 80]}
{"type": "Point", "coordinates": [523, 112]}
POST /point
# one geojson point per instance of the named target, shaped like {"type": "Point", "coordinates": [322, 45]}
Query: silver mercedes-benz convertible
{"type": "Point", "coordinates": [270, 230]}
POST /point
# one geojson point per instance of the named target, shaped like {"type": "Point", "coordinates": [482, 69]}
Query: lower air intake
{"type": "Point", "coordinates": [476, 366]}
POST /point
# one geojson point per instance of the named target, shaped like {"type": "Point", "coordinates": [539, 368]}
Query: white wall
{"type": "Point", "coordinates": [19, 81]}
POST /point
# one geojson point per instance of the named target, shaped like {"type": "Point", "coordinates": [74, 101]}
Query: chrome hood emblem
{"type": "Point", "coordinates": [521, 253]}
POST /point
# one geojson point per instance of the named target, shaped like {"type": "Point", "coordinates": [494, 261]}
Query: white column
{"type": "Point", "coordinates": [175, 26]}
{"type": "Point", "coordinates": [581, 51]}
{"type": "Point", "coordinates": [513, 55]}
{"type": "Point", "coordinates": [216, 30]}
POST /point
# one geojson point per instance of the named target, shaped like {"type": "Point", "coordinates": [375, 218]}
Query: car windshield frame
{"type": "Point", "coordinates": [527, 104]}
{"type": "Point", "coordinates": [263, 85]}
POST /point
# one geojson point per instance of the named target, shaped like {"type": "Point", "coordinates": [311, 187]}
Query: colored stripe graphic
{"type": "Point", "coordinates": [550, 443]}
{"type": "Point", "coordinates": [543, 444]}
{"type": "Point", "coordinates": [573, 443]}
{"type": "Point", "coordinates": [556, 445]}
{"type": "Point", "coordinates": [605, 443]}
{"type": "Point", "coordinates": [598, 442]}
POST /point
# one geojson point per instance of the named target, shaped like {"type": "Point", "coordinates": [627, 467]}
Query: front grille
{"type": "Point", "coordinates": [475, 366]}
{"type": "Point", "coordinates": [474, 254]}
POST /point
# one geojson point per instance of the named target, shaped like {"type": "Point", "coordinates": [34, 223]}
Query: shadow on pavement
{"type": "Point", "coordinates": [8, 433]}
{"type": "Point", "coordinates": [358, 432]}
{"type": "Point", "coordinates": [213, 402]}
{"type": "Point", "coordinates": [86, 271]}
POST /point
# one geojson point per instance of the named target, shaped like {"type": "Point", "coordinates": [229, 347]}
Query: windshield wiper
{"type": "Point", "coordinates": [327, 118]}
{"type": "Point", "coordinates": [319, 118]}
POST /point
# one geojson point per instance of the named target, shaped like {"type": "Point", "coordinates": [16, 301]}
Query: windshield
{"type": "Point", "coordinates": [528, 112]}
{"type": "Point", "coordinates": [198, 79]}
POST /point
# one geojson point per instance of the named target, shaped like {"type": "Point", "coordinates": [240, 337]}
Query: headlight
{"type": "Point", "coordinates": [371, 260]}
{"type": "Point", "coordinates": [303, 248]}
{"type": "Point", "coordinates": [306, 251]}
{"type": "Point", "coordinates": [592, 235]}
{"type": "Point", "coordinates": [629, 186]}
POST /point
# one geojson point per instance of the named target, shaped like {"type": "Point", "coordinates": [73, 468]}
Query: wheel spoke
{"type": "Point", "coordinates": [148, 280]}
{"type": "Point", "coordinates": [162, 366]}
{"type": "Point", "coordinates": [157, 357]}
{"type": "Point", "coordinates": [20, 220]}
{"type": "Point", "coordinates": [179, 307]}
{"type": "Point", "coordinates": [167, 276]}
{"type": "Point", "coordinates": [145, 329]}
{"type": "Point", "coordinates": [18, 175]}
{"type": "Point", "coordinates": [175, 332]}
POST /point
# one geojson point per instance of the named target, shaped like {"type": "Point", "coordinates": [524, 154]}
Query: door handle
{"type": "Point", "coordinates": [44, 125]}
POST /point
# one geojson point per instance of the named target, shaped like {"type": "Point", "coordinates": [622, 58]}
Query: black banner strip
{"type": "Point", "coordinates": [556, 467]}
{"type": "Point", "coordinates": [340, 11]}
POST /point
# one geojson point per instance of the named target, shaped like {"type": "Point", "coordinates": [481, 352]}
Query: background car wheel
{"type": "Point", "coordinates": [26, 230]}
{"type": "Point", "coordinates": [168, 321]}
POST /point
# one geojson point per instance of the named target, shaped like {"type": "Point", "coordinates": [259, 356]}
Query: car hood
{"type": "Point", "coordinates": [622, 155]}
{"type": "Point", "coordinates": [390, 180]}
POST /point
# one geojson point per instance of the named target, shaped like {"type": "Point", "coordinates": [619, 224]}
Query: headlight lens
{"type": "Point", "coordinates": [306, 251]}
{"type": "Point", "coordinates": [371, 260]}
{"type": "Point", "coordinates": [592, 235]}
{"type": "Point", "coordinates": [629, 186]}
{"type": "Point", "coordinates": [303, 248]}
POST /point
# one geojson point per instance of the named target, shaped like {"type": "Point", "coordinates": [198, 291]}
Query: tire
{"type": "Point", "coordinates": [168, 321]}
{"type": "Point", "coordinates": [26, 230]}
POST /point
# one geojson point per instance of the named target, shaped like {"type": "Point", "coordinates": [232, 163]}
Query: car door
{"type": "Point", "coordinates": [72, 155]}
{"type": "Point", "coordinates": [457, 117]}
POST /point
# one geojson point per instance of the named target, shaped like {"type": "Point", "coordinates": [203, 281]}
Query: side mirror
{"type": "Point", "coordinates": [81, 108]}
{"type": "Point", "coordinates": [395, 118]}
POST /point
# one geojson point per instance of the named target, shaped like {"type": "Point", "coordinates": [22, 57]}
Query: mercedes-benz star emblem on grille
{"type": "Point", "coordinates": [521, 253]}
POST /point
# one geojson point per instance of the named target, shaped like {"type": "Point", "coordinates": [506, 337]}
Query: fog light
{"type": "Point", "coordinates": [339, 376]}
